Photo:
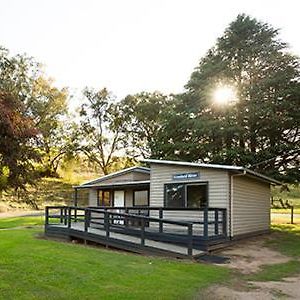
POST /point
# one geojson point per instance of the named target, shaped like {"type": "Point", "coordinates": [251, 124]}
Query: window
{"type": "Point", "coordinates": [186, 195]}
{"type": "Point", "coordinates": [196, 195]}
{"type": "Point", "coordinates": [141, 198]}
{"type": "Point", "coordinates": [174, 195]}
{"type": "Point", "coordinates": [104, 198]}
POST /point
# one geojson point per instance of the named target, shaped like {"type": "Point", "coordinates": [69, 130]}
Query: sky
{"type": "Point", "coordinates": [130, 46]}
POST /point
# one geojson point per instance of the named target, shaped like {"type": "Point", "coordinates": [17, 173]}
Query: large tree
{"type": "Point", "coordinates": [34, 98]}
{"type": "Point", "coordinates": [141, 117]}
{"type": "Point", "coordinates": [99, 134]}
{"type": "Point", "coordinates": [17, 156]}
{"type": "Point", "coordinates": [260, 127]}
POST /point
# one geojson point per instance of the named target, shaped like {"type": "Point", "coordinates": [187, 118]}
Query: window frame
{"type": "Point", "coordinates": [133, 197]}
{"type": "Point", "coordinates": [186, 184]}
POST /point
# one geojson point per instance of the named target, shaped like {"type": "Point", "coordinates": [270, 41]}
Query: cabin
{"type": "Point", "coordinates": [174, 207]}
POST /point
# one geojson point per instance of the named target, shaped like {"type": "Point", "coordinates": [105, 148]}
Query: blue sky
{"type": "Point", "coordinates": [129, 46]}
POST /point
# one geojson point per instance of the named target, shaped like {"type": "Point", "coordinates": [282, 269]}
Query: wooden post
{"type": "Point", "coordinates": [205, 219]}
{"type": "Point", "coordinates": [61, 215]}
{"type": "Point", "coordinates": [216, 222]}
{"type": "Point", "coordinates": [190, 240]}
{"type": "Point", "coordinates": [65, 216]}
{"type": "Point", "coordinates": [106, 222]}
{"type": "Point", "coordinates": [292, 214]}
{"type": "Point", "coordinates": [75, 214]}
{"type": "Point", "coordinates": [126, 218]}
{"type": "Point", "coordinates": [69, 217]}
{"type": "Point", "coordinates": [46, 216]}
{"type": "Point", "coordinates": [86, 219]}
{"type": "Point", "coordinates": [143, 232]}
{"type": "Point", "coordinates": [224, 221]}
{"type": "Point", "coordinates": [160, 221]}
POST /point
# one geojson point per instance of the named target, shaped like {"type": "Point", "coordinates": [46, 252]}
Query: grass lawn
{"type": "Point", "coordinates": [21, 222]}
{"type": "Point", "coordinates": [286, 239]}
{"type": "Point", "coordinates": [34, 268]}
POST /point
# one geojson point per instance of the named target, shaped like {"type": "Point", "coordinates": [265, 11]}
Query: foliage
{"type": "Point", "coordinates": [43, 269]}
{"type": "Point", "coordinates": [141, 117]}
{"type": "Point", "coordinates": [99, 135]}
{"type": "Point", "coordinates": [31, 121]}
{"type": "Point", "coordinates": [16, 154]}
{"type": "Point", "coordinates": [261, 129]}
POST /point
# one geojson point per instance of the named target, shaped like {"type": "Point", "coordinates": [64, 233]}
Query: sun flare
{"type": "Point", "coordinates": [224, 94]}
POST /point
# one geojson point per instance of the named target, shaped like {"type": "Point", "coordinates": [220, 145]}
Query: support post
{"type": "Point", "coordinates": [190, 240]}
{"type": "Point", "coordinates": [224, 221]}
{"type": "Point", "coordinates": [292, 214]}
{"type": "Point", "coordinates": [143, 232]}
{"type": "Point", "coordinates": [216, 222]}
{"type": "Point", "coordinates": [61, 215]}
{"type": "Point", "coordinates": [160, 221]}
{"type": "Point", "coordinates": [205, 219]}
{"type": "Point", "coordinates": [86, 219]}
{"type": "Point", "coordinates": [106, 222]}
{"type": "Point", "coordinates": [65, 216]}
{"type": "Point", "coordinates": [47, 216]}
{"type": "Point", "coordinates": [69, 217]}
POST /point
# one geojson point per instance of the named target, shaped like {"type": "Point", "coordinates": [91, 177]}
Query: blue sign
{"type": "Point", "coordinates": [186, 176]}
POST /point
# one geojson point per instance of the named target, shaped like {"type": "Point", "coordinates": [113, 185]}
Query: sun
{"type": "Point", "coordinates": [224, 94]}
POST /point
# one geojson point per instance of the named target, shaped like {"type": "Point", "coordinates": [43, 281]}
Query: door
{"type": "Point", "coordinates": [119, 201]}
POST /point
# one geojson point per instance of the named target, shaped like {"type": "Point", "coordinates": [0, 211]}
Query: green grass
{"type": "Point", "coordinates": [286, 239]}
{"type": "Point", "coordinates": [33, 268]}
{"type": "Point", "coordinates": [21, 222]}
{"type": "Point", "coordinates": [276, 272]}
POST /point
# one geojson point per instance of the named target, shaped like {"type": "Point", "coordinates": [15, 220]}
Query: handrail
{"type": "Point", "coordinates": [216, 227]}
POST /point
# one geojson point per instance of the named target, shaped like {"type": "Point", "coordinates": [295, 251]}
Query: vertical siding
{"type": "Point", "coordinates": [250, 205]}
{"type": "Point", "coordinates": [93, 197]}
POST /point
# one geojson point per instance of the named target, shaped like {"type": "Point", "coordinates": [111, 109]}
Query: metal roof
{"type": "Point", "coordinates": [115, 174]}
{"type": "Point", "coordinates": [214, 166]}
{"type": "Point", "coordinates": [115, 184]}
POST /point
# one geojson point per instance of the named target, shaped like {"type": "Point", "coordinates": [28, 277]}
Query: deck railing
{"type": "Point", "coordinates": [112, 222]}
{"type": "Point", "coordinates": [212, 220]}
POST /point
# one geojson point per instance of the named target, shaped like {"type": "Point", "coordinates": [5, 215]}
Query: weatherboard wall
{"type": "Point", "coordinates": [218, 189]}
{"type": "Point", "coordinates": [250, 205]}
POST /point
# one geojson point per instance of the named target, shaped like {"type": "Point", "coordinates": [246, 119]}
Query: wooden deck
{"type": "Point", "coordinates": [132, 232]}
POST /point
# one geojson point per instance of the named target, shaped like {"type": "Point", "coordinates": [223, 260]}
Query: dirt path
{"type": "Point", "coordinates": [26, 213]}
{"type": "Point", "coordinates": [248, 257]}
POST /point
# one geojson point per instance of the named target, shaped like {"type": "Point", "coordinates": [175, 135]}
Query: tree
{"type": "Point", "coordinates": [259, 130]}
{"type": "Point", "coordinates": [141, 116]}
{"type": "Point", "coordinates": [99, 131]}
{"type": "Point", "coordinates": [17, 156]}
{"type": "Point", "coordinates": [22, 79]}
{"type": "Point", "coordinates": [49, 111]}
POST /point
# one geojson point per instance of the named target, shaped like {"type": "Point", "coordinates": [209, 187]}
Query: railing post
{"type": "Point", "coordinates": [75, 214]}
{"type": "Point", "coordinates": [216, 222]}
{"type": "Point", "coordinates": [126, 217]}
{"type": "Point", "coordinates": [69, 217]}
{"type": "Point", "coordinates": [65, 216]}
{"type": "Point", "coordinates": [47, 216]}
{"type": "Point", "coordinates": [61, 215]}
{"type": "Point", "coordinates": [86, 219]}
{"type": "Point", "coordinates": [224, 221]}
{"type": "Point", "coordinates": [190, 240]}
{"type": "Point", "coordinates": [160, 221]}
{"type": "Point", "coordinates": [143, 232]}
{"type": "Point", "coordinates": [106, 222]}
{"type": "Point", "coordinates": [205, 219]}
